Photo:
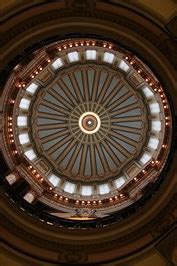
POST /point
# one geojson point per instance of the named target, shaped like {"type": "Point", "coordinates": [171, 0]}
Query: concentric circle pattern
{"type": "Point", "coordinates": [90, 124]}
{"type": "Point", "coordinates": [99, 116]}
{"type": "Point", "coordinates": [98, 92]}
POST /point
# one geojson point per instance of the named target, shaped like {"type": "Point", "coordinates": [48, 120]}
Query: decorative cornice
{"type": "Point", "coordinates": [153, 227]}
{"type": "Point", "coordinates": [98, 14]}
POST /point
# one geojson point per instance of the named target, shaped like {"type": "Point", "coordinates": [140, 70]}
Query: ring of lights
{"type": "Point", "coordinates": [89, 122]}
{"type": "Point", "coordinates": [78, 114]}
{"type": "Point", "coordinates": [115, 187]}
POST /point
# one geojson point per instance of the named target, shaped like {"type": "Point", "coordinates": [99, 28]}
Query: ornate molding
{"type": "Point", "coordinates": [157, 230]}
{"type": "Point", "coordinates": [92, 13]}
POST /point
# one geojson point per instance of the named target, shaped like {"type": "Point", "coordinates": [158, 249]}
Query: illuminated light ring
{"type": "Point", "coordinates": [92, 114]}
{"type": "Point", "coordinates": [98, 122]}
{"type": "Point", "coordinates": [165, 106]}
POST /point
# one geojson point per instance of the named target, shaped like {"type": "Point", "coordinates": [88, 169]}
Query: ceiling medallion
{"type": "Point", "coordinates": [89, 122]}
{"type": "Point", "coordinates": [90, 125]}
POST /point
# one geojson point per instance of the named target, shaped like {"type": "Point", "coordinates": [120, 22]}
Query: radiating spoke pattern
{"type": "Point", "coordinates": [101, 91]}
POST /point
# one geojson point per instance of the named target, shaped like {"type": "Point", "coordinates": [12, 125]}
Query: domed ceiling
{"type": "Point", "coordinates": [88, 132]}
{"type": "Point", "coordinates": [90, 125]}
